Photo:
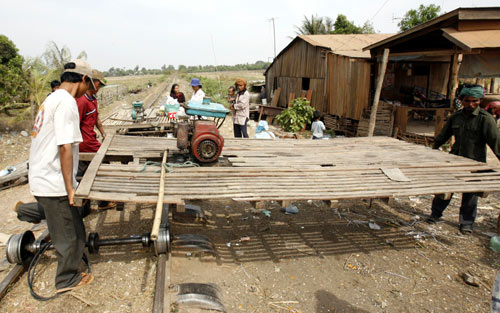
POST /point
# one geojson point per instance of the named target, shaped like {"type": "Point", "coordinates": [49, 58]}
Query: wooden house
{"type": "Point", "coordinates": [430, 58]}
{"type": "Point", "coordinates": [334, 67]}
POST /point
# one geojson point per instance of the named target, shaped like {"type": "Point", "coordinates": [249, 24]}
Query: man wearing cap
{"type": "Point", "coordinates": [89, 119]}
{"type": "Point", "coordinates": [198, 93]}
{"type": "Point", "coordinates": [53, 164]}
{"type": "Point", "coordinates": [473, 128]}
{"type": "Point", "coordinates": [89, 116]}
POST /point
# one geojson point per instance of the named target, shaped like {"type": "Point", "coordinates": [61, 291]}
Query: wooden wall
{"type": "Point", "coordinates": [348, 86]}
{"type": "Point", "coordinates": [298, 61]}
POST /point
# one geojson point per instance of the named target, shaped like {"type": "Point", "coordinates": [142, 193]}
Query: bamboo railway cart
{"type": "Point", "coordinates": [284, 170]}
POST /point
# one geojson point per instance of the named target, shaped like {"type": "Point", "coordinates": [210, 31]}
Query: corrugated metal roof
{"type": "Point", "coordinates": [473, 39]}
{"type": "Point", "coordinates": [350, 45]}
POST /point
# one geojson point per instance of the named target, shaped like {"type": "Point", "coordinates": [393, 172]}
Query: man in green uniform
{"type": "Point", "coordinates": [473, 128]}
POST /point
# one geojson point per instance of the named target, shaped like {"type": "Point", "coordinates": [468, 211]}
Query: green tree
{"type": "Point", "coordinates": [414, 17]}
{"type": "Point", "coordinates": [343, 26]}
{"type": "Point", "coordinates": [13, 83]}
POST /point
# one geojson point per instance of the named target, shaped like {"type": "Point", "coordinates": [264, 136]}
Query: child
{"type": "Point", "coordinates": [317, 126]}
{"type": "Point", "coordinates": [231, 95]}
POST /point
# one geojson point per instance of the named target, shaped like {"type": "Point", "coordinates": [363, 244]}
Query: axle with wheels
{"type": "Point", "coordinates": [22, 247]}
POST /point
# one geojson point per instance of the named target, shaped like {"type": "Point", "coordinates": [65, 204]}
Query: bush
{"type": "Point", "coordinates": [296, 117]}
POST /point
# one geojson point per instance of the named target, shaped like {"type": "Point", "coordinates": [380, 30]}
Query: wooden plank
{"type": "Point", "coordinates": [86, 183]}
{"type": "Point", "coordinates": [309, 95]}
{"type": "Point", "coordinates": [276, 97]}
{"type": "Point", "coordinates": [395, 174]}
{"type": "Point", "coordinates": [378, 89]}
{"type": "Point", "coordinates": [159, 205]}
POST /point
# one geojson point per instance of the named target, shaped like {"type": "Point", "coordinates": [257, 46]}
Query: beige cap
{"type": "Point", "coordinates": [97, 75]}
{"type": "Point", "coordinates": [81, 67]}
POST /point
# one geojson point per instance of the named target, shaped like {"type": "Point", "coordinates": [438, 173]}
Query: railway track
{"type": "Point", "coordinates": [148, 104]}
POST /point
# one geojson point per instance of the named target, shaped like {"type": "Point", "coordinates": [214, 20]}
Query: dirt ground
{"type": "Point", "coordinates": [319, 260]}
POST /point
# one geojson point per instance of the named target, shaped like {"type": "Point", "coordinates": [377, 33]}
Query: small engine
{"type": "Point", "coordinates": [203, 140]}
{"type": "Point", "coordinates": [138, 111]}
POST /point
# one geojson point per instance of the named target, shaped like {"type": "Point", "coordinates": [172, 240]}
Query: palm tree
{"type": "Point", "coordinates": [314, 26]}
{"type": "Point", "coordinates": [39, 78]}
{"type": "Point", "coordinates": [55, 58]}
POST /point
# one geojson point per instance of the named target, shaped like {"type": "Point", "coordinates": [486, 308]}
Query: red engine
{"type": "Point", "coordinates": [206, 142]}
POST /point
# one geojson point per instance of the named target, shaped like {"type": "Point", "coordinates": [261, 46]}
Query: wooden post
{"type": "Point", "coordinates": [401, 119]}
{"type": "Point", "coordinates": [493, 85]}
{"type": "Point", "coordinates": [439, 121]}
{"type": "Point", "coordinates": [159, 203]}
{"type": "Point", "coordinates": [453, 81]}
{"type": "Point", "coordinates": [376, 97]}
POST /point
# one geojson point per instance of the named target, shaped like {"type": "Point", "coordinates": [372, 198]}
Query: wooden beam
{"type": "Point", "coordinates": [180, 207]}
{"type": "Point", "coordinates": [258, 204]}
{"type": "Point", "coordinates": [439, 121]}
{"type": "Point", "coordinates": [425, 53]}
{"type": "Point", "coordinates": [376, 98]}
{"type": "Point", "coordinates": [276, 97]}
{"type": "Point", "coordinates": [159, 204]}
{"type": "Point", "coordinates": [466, 25]}
{"type": "Point", "coordinates": [453, 80]}
{"type": "Point", "coordinates": [83, 189]}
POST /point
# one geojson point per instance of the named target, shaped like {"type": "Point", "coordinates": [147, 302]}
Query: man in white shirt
{"type": "Point", "coordinates": [198, 93]}
{"type": "Point", "coordinates": [53, 164]}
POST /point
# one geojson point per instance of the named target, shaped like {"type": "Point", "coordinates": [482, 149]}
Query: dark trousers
{"type": "Point", "coordinates": [67, 232]}
{"type": "Point", "coordinates": [240, 130]}
{"type": "Point", "coordinates": [468, 208]}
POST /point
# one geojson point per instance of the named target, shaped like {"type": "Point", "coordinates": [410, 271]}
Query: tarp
{"type": "Point", "coordinates": [482, 65]}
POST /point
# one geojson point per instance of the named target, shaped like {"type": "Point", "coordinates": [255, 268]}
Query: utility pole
{"type": "Point", "coordinates": [274, 34]}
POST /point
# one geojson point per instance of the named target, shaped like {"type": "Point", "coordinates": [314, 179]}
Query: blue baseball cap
{"type": "Point", "coordinates": [195, 82]}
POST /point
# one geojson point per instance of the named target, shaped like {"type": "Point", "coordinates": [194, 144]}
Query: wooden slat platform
{"type": "Point", "coordinates": [261, 170]}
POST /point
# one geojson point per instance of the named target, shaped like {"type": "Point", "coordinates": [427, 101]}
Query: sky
{"type": "Point", "coordinates": [150, 33]}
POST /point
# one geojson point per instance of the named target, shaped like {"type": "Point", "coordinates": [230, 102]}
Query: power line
{"type": "Point", "coordinates": [376, 13]}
